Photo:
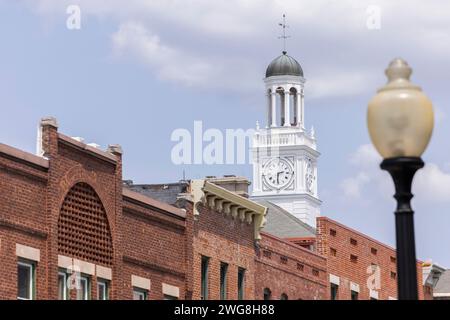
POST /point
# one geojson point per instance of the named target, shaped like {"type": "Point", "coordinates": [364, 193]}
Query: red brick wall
{"type": "Point", "coordinates": [356, 271]}
{"type": "Point", "coordinates": [22, 220]}
{"type": "Point", "coordinates": [147, 242]}
{"type": "Point", "coordinates": [222, 239]}
{"type": "Point", "coordinates": [154, 248]}
{"type": "Point", "coordinates": [286, 268]}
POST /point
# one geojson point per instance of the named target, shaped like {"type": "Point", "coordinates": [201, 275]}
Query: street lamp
{"type": "Point", "coordinates": [400, 120]}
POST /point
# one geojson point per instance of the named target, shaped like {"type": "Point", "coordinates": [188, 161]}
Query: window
{"type": "Point", "coordinates": [284, 296]}
{"type": "Point", "coordinates": [241, 283]}
{"type": "Point", "coordinates": [25, 280]}
{"type": "Point", "coordinates": [62, 286]}
{"type": "Point", "coordinates": [267, 294]}
{"type": "Point", "coordinates": [393, 259]}
{"type": "Point", "coordinates": [334, 291]}
{"type": "Point", "coordinates": [353, 242]}
{"type": "Point", "coordinates": [84, 288]}
{"type": "Point", "coordinates": [204, 283]}
{"type": "Point", "coordinates": [102, 289]}
{"type": "Point", "coordinates": [333, 252]}
{"type": "Point", "coordinates": [354, 295]}
{"type": "Point", "coordinates": [223, 280]}
{"type": "Point", "coordinates": [167, 297]}
{"type": "Point", "coordinates": [353, 258]}
{"type": "Point", "coordinates": [267, 254]}
{"type": "Point", "coordinates": [373, 251]}
{"type": "Point", "coordinates": [300, 267]}
{"type": "Point", "coordinates": [332, 232]}
{"type": "Point", "coordinates": [283, 260]}
{"type": "Point", "coordinates": [393, 275]}
{"type": "Point", "coordinates": [139, 294]}
{"type": "Point", "coordinates": [315, 272]}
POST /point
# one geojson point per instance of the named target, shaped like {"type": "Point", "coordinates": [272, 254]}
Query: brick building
{"type": "Point", "coordinates": [70, 228]}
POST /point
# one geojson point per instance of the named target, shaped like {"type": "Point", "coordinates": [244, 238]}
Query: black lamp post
{"type": "Point", "coordinates": [400, 120]}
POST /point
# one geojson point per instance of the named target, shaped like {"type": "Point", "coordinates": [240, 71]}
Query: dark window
{"type": "Point", "coordinates": [333, 252]}
{"type": "Point", "coordinates": [283, 260]}
{"type": "Point", "coordinates": [353, 258]}
{"type": "Point", "coordinates": [267, 254]}
{"type": "Point", "coordinates": [223, 280]}
{"type": "Point", "coordinates": [353, 242]}
{"type": "Point", "coordinates": [393, 275]}
{"type": "Point", "coordinates": [167, 297]}
{"type": "Point", "coordinates": [62, 286]}
{"type": "Point", "coordinates": [139, 294]}
{"type": "Point", "coordinates": [284, 296]}
{"type": "Point", "coordinates": [241, 283]}
{"type": "Point", "coordinates": [300, 267]}
{"type": "Point", "coordinates": [102, 289]}
{"type": "Point", "coordinates": [334, 291]}
{"type": "Point", "coordinates": [374, 251]}
{"type": "Point", "coordinates": [204, 284]}
{"type": "Point", "coordinates": [267, 294]}
{"type": "Point", "coordinates": [84, 288]}
{"type": "Point", "coordinates": [393, 259]}
{"type": "Point", "coordinates": [25, 281]}
{"type": "Point", "coordinates": [354, 295]}
{"type": "Point", "coordinates": [332, 232]}
{"type": "Point", "coordinates": [315, 272]}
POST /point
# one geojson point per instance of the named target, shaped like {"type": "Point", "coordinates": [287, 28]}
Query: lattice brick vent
{"type": "Point", "coordinates": [83, 230]}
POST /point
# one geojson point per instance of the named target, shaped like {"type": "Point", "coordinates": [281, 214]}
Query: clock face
{"type": "Point", "coordinates": [277, 173]}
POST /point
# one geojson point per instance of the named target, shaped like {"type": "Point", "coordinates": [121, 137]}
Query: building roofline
{"type": "Point", "coordinates": [24, 156]}
{"type": "Point", "coordinates": [269, 235]}
{"type": "Point", "coordinates": [89, 149]}
{"type": "Point", "coordinates": [358, 233]}
{"type": "Point", "coordinates": [145, 200]}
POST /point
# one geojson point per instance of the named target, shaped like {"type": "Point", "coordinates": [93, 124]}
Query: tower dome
{"type": "Point", "coordinates": [284, 65]}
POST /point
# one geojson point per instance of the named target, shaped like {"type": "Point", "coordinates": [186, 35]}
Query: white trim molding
{"type": "Point", "coordinates": [170, 290]}
{"type": "Point", "coordinates": [85, 267]}
{"type": "Point", "coordinates": [27, 252]}
{"type": "Point", "coordinates": [103, 272]}
{"type": "Point", "coordinates": [141, 283]}
{"type": "Point", "coordinates": [354, 287]}
{"type": "Point", "coordinates": [374, 294]}
{"type": "Point", "coordinates": [335, 279]}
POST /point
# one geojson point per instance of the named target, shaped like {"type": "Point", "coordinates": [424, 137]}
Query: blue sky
{"type": "Point", "coordinates": [134, 73]}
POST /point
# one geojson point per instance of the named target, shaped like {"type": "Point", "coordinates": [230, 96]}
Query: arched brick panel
{"type": "Point", "coordinates": [83, 229]}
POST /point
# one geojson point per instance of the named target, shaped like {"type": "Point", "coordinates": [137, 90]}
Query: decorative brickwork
{"type": "Point", "coordinates": [83, 230]}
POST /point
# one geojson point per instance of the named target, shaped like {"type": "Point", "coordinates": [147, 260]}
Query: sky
{"type": "Point", "coordinates": [135, 72]}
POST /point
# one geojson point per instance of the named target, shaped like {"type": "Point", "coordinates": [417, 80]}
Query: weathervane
{"type": "Point", "coordinates": [284, 36]}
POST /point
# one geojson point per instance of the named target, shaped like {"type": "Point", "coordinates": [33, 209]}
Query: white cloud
{"type": "Point", "coordinates": [432, 184]}
{"type": "Point", "coordinates": [365, 161]}
{"type": "Point", "coordinates": [365, 156]}
{"type": "Point", "coordinates": [169, 63]}
{"type": "Point", "coordinates": [352, 186]}
{"type": "Point", "coordinates": [227, 43]}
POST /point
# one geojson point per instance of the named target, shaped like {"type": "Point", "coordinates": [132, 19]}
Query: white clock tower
{"type": "Point", "coordinates": [284, 154]}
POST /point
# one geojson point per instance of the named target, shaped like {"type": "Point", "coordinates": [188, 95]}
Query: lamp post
{"type": "Point", "coordinates": [400, 121]}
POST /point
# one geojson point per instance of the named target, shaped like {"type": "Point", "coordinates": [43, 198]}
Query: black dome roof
{"type": "Point", "coordinates": [284, 65]}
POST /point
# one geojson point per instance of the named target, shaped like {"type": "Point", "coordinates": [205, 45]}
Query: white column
{"type": "Point", "coordinates": [269, 110]}
{"type": "Point", "coordinates": [273, 122]}
{"type": "Point", "coordinates": [298, 110]}
{"type": "Point", "coordinates": [302, 107]}
{"type": "Point", "coordinates": [287, 118]}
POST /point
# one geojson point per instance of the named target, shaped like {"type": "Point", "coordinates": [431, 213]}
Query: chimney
{"type": "Point", "coordinates": [238, 185]}
{"type": "Point", "coordinates": [47, 144]}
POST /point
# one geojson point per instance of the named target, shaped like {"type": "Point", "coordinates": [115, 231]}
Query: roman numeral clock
{"type": "Point", "coordinates": [278, 173]}
{"type": "Point", "coordinates": [284, 153]}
